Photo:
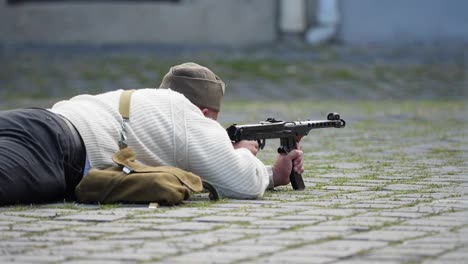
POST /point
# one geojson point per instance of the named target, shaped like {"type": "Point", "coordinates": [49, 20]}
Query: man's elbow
{"type": "Point", "coordinates": [253, 192]}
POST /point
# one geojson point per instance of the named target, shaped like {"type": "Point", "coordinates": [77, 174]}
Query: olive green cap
{"type": "Point", "coordinates": [198, 83]}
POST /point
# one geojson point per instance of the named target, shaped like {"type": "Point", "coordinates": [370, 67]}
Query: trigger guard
{"type": "Point", "coordinates": [343, 123]}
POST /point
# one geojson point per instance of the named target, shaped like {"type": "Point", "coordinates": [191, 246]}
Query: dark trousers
{"type": "Point", "coordinates": [41, 158]}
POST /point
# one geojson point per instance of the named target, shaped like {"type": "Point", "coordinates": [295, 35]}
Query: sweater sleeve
{"type": "Point", "coordinates": [235, 173]}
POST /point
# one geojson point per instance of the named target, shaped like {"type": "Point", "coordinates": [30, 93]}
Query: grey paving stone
{"type": "Point", "coordinates": [324, 203]}
{"type": "Point", "coordinates": [334, 249]}
{"type": "Point", "coordinates": [372, 205]}
{"type": "Point", "coordinates": [458, 255]}
{"type": "Point", "coordinates": [122, 256]}
{"type": "Point", "coordinates": [425, 208]}
{"type": "Point", "coordinates": [122, 228]}
{"type": "Point", "coordinates": [364, 195]}
{"type": "Point", "coordinates": [403, 187]}
{"type": "Point", "coordinates": [332, 212]}
{"type": "Point", "coordinates": [247, 230]}
{"type": "Point", "coordinates": [41, 213]}
{"type": "Point", "coordinates": [342, 229]}
{"type": "Point", "coordinates": [426, 249]}
{"type": "Point", "coordinates": [285, 197]}
{"type": "Point", "coordinates": [32, 259]}
{"type": "Point", "coordinates": [442, 261]}
{"type": "Point", "coordinates": [462, 198]}
{"type": "Point", "coordinates": [255, 214]}
{"type": "Point", "coordinates": [401, 202]}
{"type": "Point", "coordinates": [90, 261]}
{"type": "Point", "coordinates": [433, 222]}
{"type": "Point", "coordinates": [262, 241]}
{"type": "Point", "coordinates": [186, 213]}
{"type": "Point", "coordinates": [205, 257]}
{"type": "Point", "coordinates": [423, 195]}
{"type": "Point", "coordinates": [4, 218]}
{"type": "Point", "coordinates": [206, 239]}
{"type": "Point", "coordinates": [242, 204]}
{"type": "Point", "coordinates": [458, 217]}
{"type": "Point", "coordinates": [462, 230]}
{"type": "Point", "coordinates": [398, 214]}
{"type": "Point", "coordinates": [21, 245]}
{"type": "Point", "coordinates": [38, 227]}
{"type": "Point", "coordinates": [299, 237]}
{"type": "Point", "coordinates": [363, 221]}
{"type": "Point", "coordinates": [447, 238]}
{"type": "Point", "coordinates": [62, 236]}
{"type": "Point", "coordinates": [282, 208]}
{"type": "Point", "coordinates": [261, 202]}
{"type": "Point", "coordinates": [233, 253]}
{"type": "Point", "coordinates": [94, 216]}
{"type": "Point", "coordinates": [364, 260]}
{"type": "Point", "coordinates": [422, 228]}
{"type": "Point", "coordinates": [286, 240]}
{"type": "Point", "coordinates": [280, 224]}
{"type": "Point", "coordinates": [346, 188]}
{"type": "Point", "coordinates": [251, 250]}
{"type": "Point", "coordinates": [147, 235]}
{"type": "Point", "coordinates": [400, 258]}
{"type": "Point", "coordinates": [335, 175]}
{"type": "Point", "coordinates": [280, 259]}
{"type": "Point", "coordinates": [431, 195]}
{"type": "Point", "coordinates": [103, 244]}
{"type": "Point", "coordinates": [308, 219]}
{"type": "Point", "coordinates": [52, 251]}
{"type": "Point", "coordinates": [139, 209]}
{"type": "Point", "coordinates": [161, 249]}
{"type": "Point", "coordinates": [190, 226]}
{"type": "Point", "coordinates": [224, 219]}
{"type": "Point", "coordinates": [303, 205]}
{"type": "Point", "coordinates": [399, 177]}
{"type": "Point", "coordinates": [146, 222]}
{"type": "Point", "coordinates": [457, 204]}
{"type": "Point", "coordinates": [5, 235]}
{"type": "Point", "coordinates": [386, 235]}
{"type": "Point", "coordinates": [45, 225]}
{"type": "Point", "coordinates": [68, 206]}
{"type": "Point", "coordinates": [369, 183]}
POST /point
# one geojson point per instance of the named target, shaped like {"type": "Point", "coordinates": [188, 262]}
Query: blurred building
{"type": "Point", "coordinates": [232, 23]}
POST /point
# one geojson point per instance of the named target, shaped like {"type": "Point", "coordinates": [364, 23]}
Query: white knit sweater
{"type": "Point", "coordinates": [165, 128]}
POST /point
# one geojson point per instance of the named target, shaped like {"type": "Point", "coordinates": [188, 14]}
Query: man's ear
{"type": "Point", "coordinates": [209, 113]}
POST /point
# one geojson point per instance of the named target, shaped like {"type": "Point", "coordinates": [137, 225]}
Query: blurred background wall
{"type": "Point", "coordinates": [212, 22]}
{"type": "Point", "coordinates": [404, 21]}
{"type": "Point", "coordinates": [237, 23]}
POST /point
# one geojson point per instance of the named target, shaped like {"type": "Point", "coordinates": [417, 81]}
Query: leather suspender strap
{"type": "Point", "coordinates": [124, 109]}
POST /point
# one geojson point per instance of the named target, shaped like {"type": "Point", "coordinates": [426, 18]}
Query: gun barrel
{"type": "Point", "coordinates": [279, 129]}
{"type": "Point", "coordinates": [316, 124]}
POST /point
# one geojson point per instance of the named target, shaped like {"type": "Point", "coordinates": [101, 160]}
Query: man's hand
{"type": "Point", "coordinates": [248, 144]}
{"type": "Point", "coordinates": [284, 164]}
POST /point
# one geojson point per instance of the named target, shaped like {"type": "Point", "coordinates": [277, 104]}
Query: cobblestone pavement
{"type": "Point", "coordinates": [390, 187]}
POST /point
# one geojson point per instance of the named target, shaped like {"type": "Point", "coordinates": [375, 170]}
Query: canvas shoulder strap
{"type": "Point", "coordinates": [124, 109]}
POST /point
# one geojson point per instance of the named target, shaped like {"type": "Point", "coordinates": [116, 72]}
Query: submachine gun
{"type": "Point", "coordinates": [289, 133]}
